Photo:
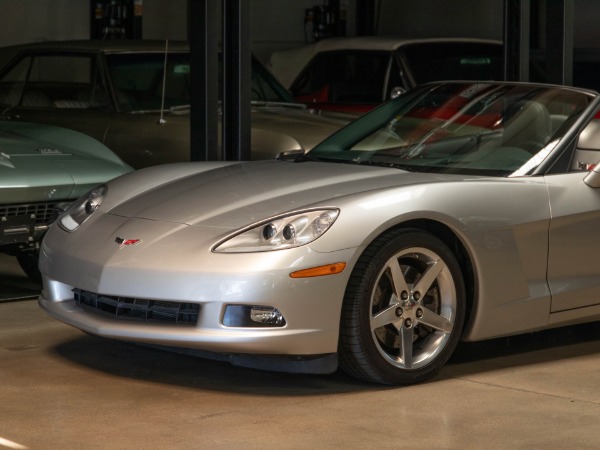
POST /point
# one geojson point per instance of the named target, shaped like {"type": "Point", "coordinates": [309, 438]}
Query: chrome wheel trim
{"type": "Point", "coordinates": [413, 308]}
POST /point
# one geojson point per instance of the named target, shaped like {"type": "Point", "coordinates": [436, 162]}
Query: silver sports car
{"type": "Point", "coordinates": [460, 210]}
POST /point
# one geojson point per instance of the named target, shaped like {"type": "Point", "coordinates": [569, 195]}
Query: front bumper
{"type": "Point", "coordinates": [236, 347]}
{"type": "Point", "coordinates": [311, 306]}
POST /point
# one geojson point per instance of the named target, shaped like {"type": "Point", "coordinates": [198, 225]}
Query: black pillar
{"type": "Point", "coordinates": [365, 17]}
{"type": "Point", "coordinates": [516, 39]}
{"type": "Point", "coordinates": [559, 41]}
{"type": "Point", "coordinates": [236, 80]}
{"type": "Point", "coordinates": [203, 34]}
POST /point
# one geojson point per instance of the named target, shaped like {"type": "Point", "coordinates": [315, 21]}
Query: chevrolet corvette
{"type": "Point", "coordinates": [457, 211]}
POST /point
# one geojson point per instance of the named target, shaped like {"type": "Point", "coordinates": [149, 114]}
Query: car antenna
{"type": "Point", "coordinates": [162, 120]}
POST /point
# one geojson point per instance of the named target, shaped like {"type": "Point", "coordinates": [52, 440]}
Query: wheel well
{"type": "Point", "coordinates": [448, 237]}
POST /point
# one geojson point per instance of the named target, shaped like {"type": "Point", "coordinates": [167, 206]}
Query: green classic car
{"type": "Point", "coordinates": [42, 170]}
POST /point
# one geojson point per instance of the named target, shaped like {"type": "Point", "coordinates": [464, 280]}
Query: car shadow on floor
{"type": "Point", "coordinates": [13, 287]}
{"type": "Point", "coordinates": [129, 360]}
{"type": "Point", "coordinates": [132, 361]}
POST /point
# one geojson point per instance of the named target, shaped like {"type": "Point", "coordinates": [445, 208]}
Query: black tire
{"type": "Point", "coordinates": [394, 329]}
{"type": "Point", "coordinates": [28, 260]}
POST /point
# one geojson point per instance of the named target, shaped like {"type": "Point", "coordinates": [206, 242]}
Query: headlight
{"type": "Point", "coordinates": [279, 233]}
{"type": "Point", "coordinates": [82, 208]}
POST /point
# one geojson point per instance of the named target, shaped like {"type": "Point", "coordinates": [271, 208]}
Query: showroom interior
{"type": "Point", "coordinates": [64, 388]}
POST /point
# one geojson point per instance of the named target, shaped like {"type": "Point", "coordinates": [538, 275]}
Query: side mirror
{"type": "Point", "coordinates": [592, 179]}
{"type": "Point", "coordinates": [397, 91]}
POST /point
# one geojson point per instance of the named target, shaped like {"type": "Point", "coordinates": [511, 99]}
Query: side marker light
{"type": "Point", "coordinates": [329, 269]}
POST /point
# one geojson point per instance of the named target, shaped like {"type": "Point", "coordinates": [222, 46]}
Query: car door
{"type": "Point", "coordinates": [61, 89]}
{"type": "Point", "coordinates": [573, 263]}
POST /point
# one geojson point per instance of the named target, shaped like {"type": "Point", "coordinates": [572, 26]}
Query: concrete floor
{"type": "Point", "coordinates": [63, 389]}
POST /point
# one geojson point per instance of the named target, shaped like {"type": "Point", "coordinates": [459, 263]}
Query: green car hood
{"type": "Point", "coordinates": [45, 163]}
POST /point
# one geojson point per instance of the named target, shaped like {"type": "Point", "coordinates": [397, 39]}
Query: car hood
{"type": "Point", "coordinates": [304, 126]}
{"type": "Point", "coordinates": [278, 128]}
{"type": "Point", "coordinates": [239, 194]}
{"type": "Point", "coordinates": [33, 169]}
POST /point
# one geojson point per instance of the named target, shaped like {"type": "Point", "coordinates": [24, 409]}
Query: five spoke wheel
{"type": "Point", "coordinates": [404, 309]}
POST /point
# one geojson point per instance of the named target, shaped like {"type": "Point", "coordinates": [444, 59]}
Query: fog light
{"type": "Point", "coordinates": [266, 315]}
{"type": "Point", "coordinates": [252, 316]}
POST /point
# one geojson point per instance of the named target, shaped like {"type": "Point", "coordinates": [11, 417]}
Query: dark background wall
{"type": "Point", "coordinates": [280, 24]}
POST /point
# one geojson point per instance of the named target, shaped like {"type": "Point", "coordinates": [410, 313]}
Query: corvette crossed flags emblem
{"type": "Point", "coordinates": [123, 242]}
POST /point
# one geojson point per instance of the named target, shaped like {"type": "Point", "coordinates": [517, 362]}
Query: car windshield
{"type": "Point", "coordinates": [496, 129]}
{"type": "Point", "coordinates": [138, 81]}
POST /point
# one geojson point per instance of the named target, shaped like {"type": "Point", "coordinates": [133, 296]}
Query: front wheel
{"type": "Point", "coordinates": [403, 310]}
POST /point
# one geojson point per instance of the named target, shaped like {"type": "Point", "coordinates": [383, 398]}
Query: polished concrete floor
{"type": "Point", "coordinates": [63, 389]}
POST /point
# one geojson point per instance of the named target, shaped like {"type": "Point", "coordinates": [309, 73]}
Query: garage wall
{"type": "Point", "coordinates": [474, 18]}
{"type": "Point", "coordinates": [278, 24]}
{"type": "Point", "coordinates": [165, 19]}
{"type": "Point", "coordinates": [435, 18]}
{"type": "Point", "coordinates": [24, 21]}
{"type": "Point", "coordinates": [275, 24]}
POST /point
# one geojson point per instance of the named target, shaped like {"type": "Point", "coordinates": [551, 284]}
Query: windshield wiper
{"type": "Point", "coordinates": [307, 157]}
{"type": "Point", "coordinates": [390, 165]}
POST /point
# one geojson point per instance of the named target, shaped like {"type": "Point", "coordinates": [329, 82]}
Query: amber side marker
{"type": "Point", "coordinates": [329, 269]}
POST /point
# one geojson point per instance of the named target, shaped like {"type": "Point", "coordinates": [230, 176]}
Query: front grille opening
{"type": "Point", "coordinates": [42, 213]}
{"type": "Point", "coordinates": [136, 309]}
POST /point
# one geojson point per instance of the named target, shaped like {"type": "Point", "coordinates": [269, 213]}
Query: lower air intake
{"type": "Point", "coordinates": [137, 309]}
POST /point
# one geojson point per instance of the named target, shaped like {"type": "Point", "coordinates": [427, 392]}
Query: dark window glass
{"type": "Point", "coordinates": [350, 77]}
{"type": "Point", "coordinates": [450, 61]}
{"type": "Point", "coordinates": [138, 81]}
{"type": "Point", "coordinates": [54, 81]}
